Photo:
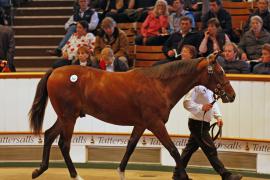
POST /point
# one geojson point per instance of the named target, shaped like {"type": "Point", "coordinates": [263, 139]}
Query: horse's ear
{"type": "Point", "coordinates": [213, 57]}
{"type": "Point", "coordinates": [202, 64]}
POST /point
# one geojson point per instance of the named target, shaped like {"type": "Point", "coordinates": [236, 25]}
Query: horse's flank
{"type": "Point", "coordinates": [125, 97]}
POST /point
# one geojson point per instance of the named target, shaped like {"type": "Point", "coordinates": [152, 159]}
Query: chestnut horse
{"type": "Point", "coordinates": [142, 97]}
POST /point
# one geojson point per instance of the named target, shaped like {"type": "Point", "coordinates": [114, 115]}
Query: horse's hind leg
{"type": "Point", "coordinates": [49, 136]}
{"type": "Point", "coordinates": [159, 130]}
{"type": "Point", "coordinates": [134, 138]}
{"type": "Point", "coordinates": [64, 145]}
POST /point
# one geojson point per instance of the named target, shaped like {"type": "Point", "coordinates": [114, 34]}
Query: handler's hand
{"type": "Point", "coordinates": [170, 53]}
{"type": "Point", "coordinates": [219, 122]}
{"type": "Point", "coordinates": [207, 107]}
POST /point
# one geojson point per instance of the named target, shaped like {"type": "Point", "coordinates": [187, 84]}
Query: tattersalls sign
{"type": "Point", "coordinates": [251, 146]}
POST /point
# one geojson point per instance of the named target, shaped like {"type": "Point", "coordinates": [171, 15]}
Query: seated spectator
{"type": "Point", "coordinates": [109, 62]}
{"type": "Point", "coordinates": [80, 38]}
{"type": "Point", "coordinates": [231, 62]}
{"type": "Point", "coordinates": [84, 13]}
{"type": "Point", "coordinates": [114, 37]}
{"type": "Point", "coordinates": [7, 43]}
{"type": "Point", "coordinates": [263, 12]}
{"type": "Point", "coordinates": [214, 38]}
{"type": "Point", "coordinates": [137, 10]}
{"type": "Point", "coordinates": [5, 6]}
{"type": "Point", "coordinates": [252, 41]}
{"type": "Point", "coordinates": [195, 8]}
{"type": "Point", "coordinates": [83, 57]}
{"type": "Point", "coordinates": [174, 18]}
{"type": "Point", "coordinates": [154, 30]}
{"type": "Point", "coordinates": [175, 42]}
{"type": "Point", "coordinates": [264, 66]}
{"type": "Point", "coordinates": [111, 8]}
{"type": "Point", "coordinates": [187, 52]}
{"type": "Point", "coordinates": [224, 18]}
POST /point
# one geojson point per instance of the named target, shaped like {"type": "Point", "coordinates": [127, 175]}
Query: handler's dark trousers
{"type": "Point", "coordinates": [200, 137]}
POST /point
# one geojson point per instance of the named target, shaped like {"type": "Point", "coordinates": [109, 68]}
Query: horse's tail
{"type": "Point", "coordinates": [37, 111]}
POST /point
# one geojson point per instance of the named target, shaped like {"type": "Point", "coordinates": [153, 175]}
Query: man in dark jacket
{"type": "Point", "coordinates": [175, 42]}
{"type": "Point", "coordinates": [231, 63]}
{"type": "Point", "coordinates": [7, 44]}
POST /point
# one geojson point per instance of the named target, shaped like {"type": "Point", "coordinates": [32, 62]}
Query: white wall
{"type": "Point", "coordinates": [247, 117]}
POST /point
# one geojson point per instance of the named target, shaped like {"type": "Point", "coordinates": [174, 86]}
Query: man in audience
{"type": "Point", "coordinates": [114, 37]}
{"type": "Point", "coordinates": [7, 43]}
{"type": "Point", "coordinates": [175, 42]}
{"type": "Point", "coordinates": [231, 62]}
{"type": "Point", "coordinates": [84, 13]}
{"type": "Point", "coordinates": [174, 18]}
{"type": "Point", "coordinates": [111, 8]}
{"type": "Point", "coordinates": [263, 12]}
{"type": "Point", "coordinates": [264, 66]}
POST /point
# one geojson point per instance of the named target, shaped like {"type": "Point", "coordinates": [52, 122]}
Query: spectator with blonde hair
{"type": "Point", "coordinates": [264, 66]}
{"type": "Point", "coordinates": [109, 62]}
{"type": "Point", "coordinates": [154, 30]}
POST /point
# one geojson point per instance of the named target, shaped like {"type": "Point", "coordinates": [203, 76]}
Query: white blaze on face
{"type": "Point", "coordinates": [73, 78]}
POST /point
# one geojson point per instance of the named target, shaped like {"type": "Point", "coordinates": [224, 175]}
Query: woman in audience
{"type": "Point", "coordinates": [83, 57]}
{"type": "Point", "coordinates": [231, 62]}
{"type": "Point", "coordinates": [78, 39]}
{"type": "Point", "coordinates": [252, 41]}
{"type": "Point", "coordinates": [214, 38]}
{"type": "Point", "coordinates": [264, 66]}
{"type": "Point", "coordinates": [154, 30]}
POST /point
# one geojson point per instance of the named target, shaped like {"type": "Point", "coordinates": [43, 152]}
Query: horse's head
{"type": "Point", "coordinates": [214, 78]}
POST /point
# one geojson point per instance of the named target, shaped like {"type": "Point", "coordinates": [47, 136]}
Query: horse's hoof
{"type": "Point", "coordinates": [181, 178]}
{"type": "Point", "coordinates": [36, 173]}
{"type": "Point", "coordinates": [77, 178]}
{"type": "Point", "coordinates": [121, 174]}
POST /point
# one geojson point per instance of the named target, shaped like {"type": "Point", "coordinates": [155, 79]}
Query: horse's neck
{"type": "Point", "coordinates": [180, 86]}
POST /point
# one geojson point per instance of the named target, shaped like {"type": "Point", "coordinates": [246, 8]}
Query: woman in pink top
{"type": "Point", "coordinates": [154, 30]}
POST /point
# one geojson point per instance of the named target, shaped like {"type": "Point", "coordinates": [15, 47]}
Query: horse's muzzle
{"type": "Point", "coordinates": [227, 98]}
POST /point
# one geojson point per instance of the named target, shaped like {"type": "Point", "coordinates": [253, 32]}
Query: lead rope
{"type": "Point", "coordinates": [219, 133]}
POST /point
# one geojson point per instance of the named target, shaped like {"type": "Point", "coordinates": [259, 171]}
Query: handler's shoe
{"type": "Point", "coordinates": [235, 177]}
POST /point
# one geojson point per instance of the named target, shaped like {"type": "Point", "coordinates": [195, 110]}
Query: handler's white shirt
{"type": "Point", "coordinates": [194, 101]}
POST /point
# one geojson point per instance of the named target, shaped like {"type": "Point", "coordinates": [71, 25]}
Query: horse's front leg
{"type": "Point", "coordinates": [159, 130]}
{"type": "Point", "coordinates": [132, 143]}
{"type": "Point", "coordinates": [49, 136]}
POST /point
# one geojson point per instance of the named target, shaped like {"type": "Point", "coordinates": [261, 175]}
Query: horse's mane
{"type": "Point", "coordinates": [171, 69]}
